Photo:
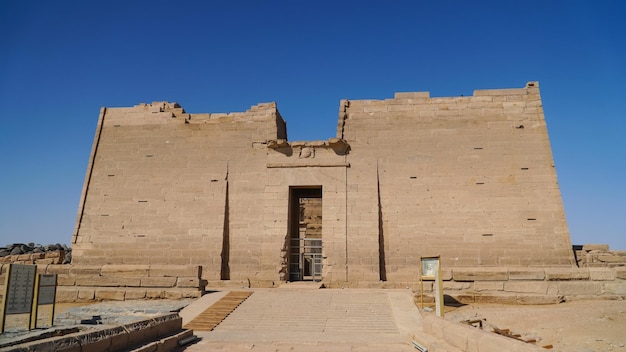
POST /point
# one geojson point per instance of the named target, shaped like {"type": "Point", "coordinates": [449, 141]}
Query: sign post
{"type": "Point", "coordinates": [430, 270]}
{"type": "Point", "coordinates": [45, 294]}
{"type": "Point", "coordinates": [19, 288]}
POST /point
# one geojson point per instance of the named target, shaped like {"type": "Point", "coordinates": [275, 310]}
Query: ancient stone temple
{"type": "Point", "coordinates": [470, 179]}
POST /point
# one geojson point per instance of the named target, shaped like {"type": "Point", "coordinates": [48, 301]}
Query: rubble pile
{"type": "Point", "coordinates": [31, 253]}
{"type": "Point", "coordinates": [598, 255]}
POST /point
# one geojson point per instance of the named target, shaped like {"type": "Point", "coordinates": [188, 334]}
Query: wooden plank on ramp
{"type": "Point", "coordinates": [215, 314]}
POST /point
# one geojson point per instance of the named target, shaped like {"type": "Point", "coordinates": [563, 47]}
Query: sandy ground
{"type": "Point", "coordinates": [578, 326]}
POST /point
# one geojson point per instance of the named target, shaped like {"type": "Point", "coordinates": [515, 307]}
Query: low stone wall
{"type": "Point", "coordinates": [157, 334]}
{"type": "Point", "coordinates": [83, 283]}
{"type": "Point", "coordinates": [467, 338]}
{"type": "Point", "coordinates": [31, 253]}
{"type": "Point", "coordinates": [41, 258]}
{"type": "Point", "coordinates": [530, 285]}
{"type": "Point", "coordinates": [598, 255]}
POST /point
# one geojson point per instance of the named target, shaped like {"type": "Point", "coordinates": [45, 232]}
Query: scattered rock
{"type": "Point", "coordinates": [21, 248]}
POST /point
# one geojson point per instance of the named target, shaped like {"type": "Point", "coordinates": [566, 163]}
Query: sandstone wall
{"type": "Point", "coordinates": [471, 179]}
{"type": "Point", "coordinates": [468, 178]}
{"type": "Point", "coordinates": [166, 187]}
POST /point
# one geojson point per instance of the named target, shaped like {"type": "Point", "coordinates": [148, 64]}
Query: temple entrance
{"type": "Point", "coordinates": [305, 233]}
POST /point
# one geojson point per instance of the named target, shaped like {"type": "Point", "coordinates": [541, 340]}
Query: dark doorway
{"type": "Point", "coordinates": [305, 233]}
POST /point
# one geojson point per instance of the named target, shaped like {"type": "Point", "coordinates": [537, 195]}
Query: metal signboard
{"type": "Point", "coordinates": [20, 288]}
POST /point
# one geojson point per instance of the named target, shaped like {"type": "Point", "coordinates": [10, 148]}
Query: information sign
{"type": "Point", "coordinates": [20, 289]}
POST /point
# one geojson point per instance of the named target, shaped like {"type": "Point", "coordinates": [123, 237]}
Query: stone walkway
{"type": "Point", "coordinates": [316, 320]}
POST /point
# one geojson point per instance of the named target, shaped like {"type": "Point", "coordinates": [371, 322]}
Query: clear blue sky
{"type": "Point", "coordinates": [60, 61]}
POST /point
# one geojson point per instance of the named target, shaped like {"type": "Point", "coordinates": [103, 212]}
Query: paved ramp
{"type": "Point", "coordinates": [217, 312]}
{"type": "Point", "coordinates": [317, 320]}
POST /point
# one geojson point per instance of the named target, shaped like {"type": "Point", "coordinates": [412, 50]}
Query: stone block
{"type": "Point", "coordinates": [176, 270]}
{"type": "Point", "coordinates": [66, 294]}
{"type": "Point", "coordinates": [527, 274]}
{"type": "Point", "coordinates": [107, 281]}
{"type": "Point", "coordinates": [596, 247]}
{"type": "Point", "coordinates": [526, 287]}
{"type": "Point", "coordinates": [85, 269]}
{"type": "Point", "coordinates": [60, 269]}
{"type": "Point", "coordinates": [580, 288]}
{"type": "Point", "coordinates": [496, 298]}
{"type": "Point", "coordinates": [24, 258]}
{"type": "Point", "coordinates": [453, 285]}
{"type": "Point", "coordinates": [135, 294]}
{"type": "Point", "coordinates": [488, 286]}
{"type": "Point", "coordinates": [556, 274]}
{"type": "Point", "coordinates": [65, 280]}
{"type": "Point", "coordinates": [185, 282]}
{"type": "Point", "coordinates": [601, 274]}
{"type": "Point", "coordinates": [620, 273]}
{"type": "Point", "coordinates": [539, 299]}
{"type": "Point", "coordinates": [110, 295]}
{"type": "Point", "coordinates": [607, 258]}
{"type": "Point", "coordinates": [165, 281]}
{"type": "Point", "coordinates": [45, 261]}
{"type": "Point", "coordinates": [155, 294]}
{"type": "Point", "coordinates": [119, 341]}
{"type": "Point", "coordinates": [411, 95]}
{"type": "Point", "coordinates": [125, 270]}
{"type": "Point", "coordinates": [480, 274]}
{"type": "Point", "coordinates": [170, 343]}
{"type": "Point", "coordinates": [86, 295]}
{"type": "Point", "coordinates": [615, 288]}
{"type": "Point", "coordinates": [169, 294]}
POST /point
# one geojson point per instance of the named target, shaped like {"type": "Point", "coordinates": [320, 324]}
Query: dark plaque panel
{"type": "Point", "coordinates": [47, 286]}
{"type": "Point", "coordinates": [20, 289]}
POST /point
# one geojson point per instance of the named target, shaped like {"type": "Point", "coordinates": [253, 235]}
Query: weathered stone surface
{"type": "Point", "coordinates": [158, 281]}
{"type": "Point", "coordinates": [480, 274]}
{"type": "Point", "coordinates": [539, 299]}
{"type": "Point", "coordinates": [125, 270]}
{"type": "Point", "coordinates": [602, 274]}
{"type": "Point", "coordinates": [107, 281]}
{"type": "Point", "coordinates": [453, 285]}
{"type": "Point", "coordinates": [176, 270]}
{"type": "Point", "coordinates": [526, 274]}
{"type": "Point", "coordinates": [596, 247]}
{"type": "Point", "coordinates": [496, 298]}
{"type": "Point", "coordinates": [615, 288]}
{"type": "Point", "coordinates": [580, 288]}
{"type": "Point", "coordinates": [110, 295]}
{"type": "Point", "coordinates": [189, 282]}
{"type": "Point", "coordinates": [620, 273]}
{"type": "Point", "coordinates": [567, 273]}
{"type": "Point", "coordinates": [134, 294]}
{"type": "Point", "coordinates": [488, 286]}
{"type": "Point", "coordinates": [66, 294]}
{"type": "Point", "coordinates": [607, 258]}
{"type": "Point", "coordinates": [526, 287]}
{"type": "Point", "coordinates": [86, 295]}
{"type": "Point", "coordinates": [85, 269]}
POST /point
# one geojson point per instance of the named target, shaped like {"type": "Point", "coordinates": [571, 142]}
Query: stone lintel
{"type": "Point", "coordinates": [338, 145]}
